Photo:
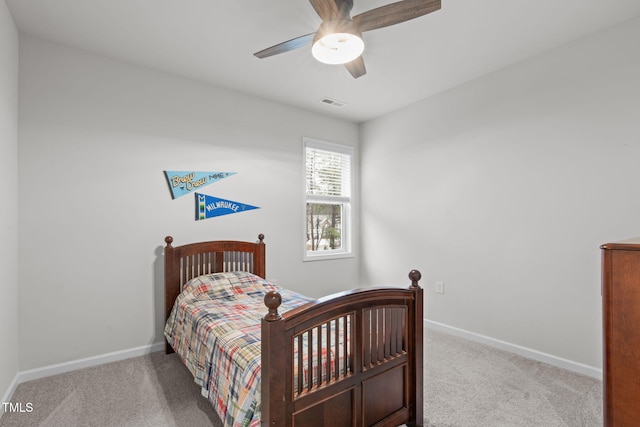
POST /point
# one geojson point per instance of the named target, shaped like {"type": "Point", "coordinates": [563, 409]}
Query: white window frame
{"type": "Point", "coordinates": [347, 202]}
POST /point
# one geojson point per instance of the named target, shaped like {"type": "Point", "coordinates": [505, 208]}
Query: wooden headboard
{"type": "Point", "coordinates": [183, 263]}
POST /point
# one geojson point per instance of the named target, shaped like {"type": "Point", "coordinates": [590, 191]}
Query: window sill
{"type": "Point", "coordinates": [327, 256]}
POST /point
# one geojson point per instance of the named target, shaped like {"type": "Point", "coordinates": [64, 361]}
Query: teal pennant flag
{"type": "Point", "coordinates": [209, 206]}
{"type": "Point", "coordinates": [186, 182]}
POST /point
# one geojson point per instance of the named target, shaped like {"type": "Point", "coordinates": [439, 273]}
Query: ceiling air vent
{"type": "Point", "coordinates": [333, 102]}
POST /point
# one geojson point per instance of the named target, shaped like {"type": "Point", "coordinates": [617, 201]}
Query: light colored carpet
{"type": "Point", "coordinates": [472, 385]}
{"type": "Point", "coordinates": [155, 390]}
{"type": "Point", "coordinates": [466, 385]}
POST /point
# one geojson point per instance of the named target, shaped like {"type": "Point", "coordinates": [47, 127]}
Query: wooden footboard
{"type": "Point", "coordinates": [351, 359]}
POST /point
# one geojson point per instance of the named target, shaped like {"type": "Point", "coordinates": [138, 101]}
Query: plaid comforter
{"type": "Point", "coordinates": [215, 328]}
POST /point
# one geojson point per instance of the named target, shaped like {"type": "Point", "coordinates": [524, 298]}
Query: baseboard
{"type": "Point", "coordinates": [9, 393]}
{"type": "Point", "coordinates": [529, 353]}
{"type": "Point", "coordinates": [61, 368]}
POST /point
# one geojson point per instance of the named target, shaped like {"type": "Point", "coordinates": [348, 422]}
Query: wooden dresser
{"type": "Point", "coordinates": [621, 332]}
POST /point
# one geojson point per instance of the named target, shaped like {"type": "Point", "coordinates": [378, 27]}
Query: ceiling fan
{"type": "Point", "coordinates": [338, 40]}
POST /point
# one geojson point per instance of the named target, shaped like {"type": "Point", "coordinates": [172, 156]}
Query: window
{"type": "Point", "coordinates": [328, 199]}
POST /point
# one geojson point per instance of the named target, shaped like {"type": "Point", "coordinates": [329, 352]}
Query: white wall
{"type": "Point", "coordinates": [9, 205]}
{"type": "Point", "coordinates": [505, 187]}
{"type": "Point", "coordinates": [95, 137]}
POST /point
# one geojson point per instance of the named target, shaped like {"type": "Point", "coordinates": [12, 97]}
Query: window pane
{"type": "Point", "coordinates": [328, 173]}
{"type": "Point", "coordinates": [324, 227]}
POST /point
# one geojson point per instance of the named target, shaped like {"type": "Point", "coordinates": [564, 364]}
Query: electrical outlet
{"type": "Point", "coordinates": [440, 287]}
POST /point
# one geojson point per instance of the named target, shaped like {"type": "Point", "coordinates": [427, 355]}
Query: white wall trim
{"type": "Point", "coordinates": [61, 368]}
{"type": "Point", "coordinates": [9, 393]}
{"type": "Point", "coordinates": [529, 353]}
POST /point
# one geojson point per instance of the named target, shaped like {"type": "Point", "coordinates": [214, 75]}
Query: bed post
{"type": "Point", "coordinates": [259, 258]}
{"type": "Point", "coordinates": [273, 368]}
{"type": "Point", "coordinates": [172, 285]}
{"type": "Point", "coordinates": [418, 351]}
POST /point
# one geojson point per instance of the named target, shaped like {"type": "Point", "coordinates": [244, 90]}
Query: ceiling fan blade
{"type": "Point", "coordinates": [332, 9]}
{"type": "Point", "coordinates": [356, 67]}
{"type": "Point", "coordinates": [326, 9]}
{"type": "Point", "coordinates": [286, 46]}
{"type": "Point", "coordinates": [394, 13]}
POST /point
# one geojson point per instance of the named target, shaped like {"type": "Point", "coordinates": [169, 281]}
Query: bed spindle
{"type": "Point", "coordinates": [330, 347]}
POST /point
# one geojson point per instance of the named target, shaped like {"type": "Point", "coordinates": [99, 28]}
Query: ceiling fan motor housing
{"type": "Point", "coordinates": [345, 26]}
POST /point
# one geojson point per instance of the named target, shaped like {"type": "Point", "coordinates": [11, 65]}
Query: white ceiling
{"type": "Point", "coordinates": [214, 40]}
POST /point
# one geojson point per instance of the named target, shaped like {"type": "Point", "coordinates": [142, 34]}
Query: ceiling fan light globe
{"type": "Point", "coordinates": [337, 48]}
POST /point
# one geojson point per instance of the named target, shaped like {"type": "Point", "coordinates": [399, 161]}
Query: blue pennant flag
{"type": "Point", "coordinates": [209, 206]}
{"type": "Point", "coordinates": [185, 182]}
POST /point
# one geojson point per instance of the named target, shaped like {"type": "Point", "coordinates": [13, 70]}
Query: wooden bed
{"type": "Point", "coordinates": [383, 379]}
